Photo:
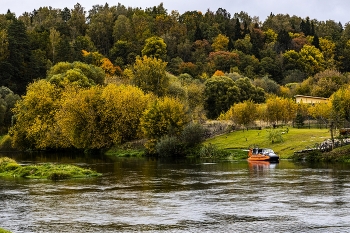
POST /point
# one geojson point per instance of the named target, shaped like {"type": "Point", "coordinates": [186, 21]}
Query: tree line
{"type": "Point", "coordinates": [114, 74]}
{"type": "Point", "coordinates": [285, 48]}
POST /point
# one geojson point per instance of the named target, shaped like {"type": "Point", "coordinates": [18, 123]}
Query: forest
{"type": "Point", "coordinates": [72, 78]}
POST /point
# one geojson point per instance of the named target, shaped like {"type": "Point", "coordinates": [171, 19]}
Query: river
{"type": "Point", "coordinates": [149, 195]}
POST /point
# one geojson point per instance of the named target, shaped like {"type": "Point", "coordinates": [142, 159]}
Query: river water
{"type": "Point", "coordinates": [149, 195]}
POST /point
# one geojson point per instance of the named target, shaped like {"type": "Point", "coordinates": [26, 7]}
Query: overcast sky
{"type": "Point", "coordinates": [322, 10]}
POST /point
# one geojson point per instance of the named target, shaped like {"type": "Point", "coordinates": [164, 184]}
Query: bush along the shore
{"type": "Point", "coordinates": [10, 168]}
{"type": "Point", "coordinates": [340, 154]}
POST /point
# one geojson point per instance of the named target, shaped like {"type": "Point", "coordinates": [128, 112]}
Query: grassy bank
{"type": "Point", "coordinates": [10, 168]}
{"type": "Point", "coordinates": [293, 140]}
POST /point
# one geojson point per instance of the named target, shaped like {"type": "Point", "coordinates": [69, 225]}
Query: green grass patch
{"type": "Point", "coordinates": [293, 140]}
{"type": "Point", "coordinates": [119, 152]}
{"type": "Point", "coordinates": [10, 168]}
{"type": "Point", "coordinates": [4, 231]}
{"type": "Point", "coordinates": [129, 149]}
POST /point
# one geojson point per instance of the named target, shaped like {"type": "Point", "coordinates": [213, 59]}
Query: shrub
{"type": "Point", "coordinates": [275, 135]}
{"type": "Point", "coordinates": [193, 134]}
{"type": "Point", "coordinates": [169, 146]}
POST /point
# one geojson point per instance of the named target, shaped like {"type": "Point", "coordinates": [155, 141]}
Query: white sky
{"type": "Point", "coordinates": [322, 10]}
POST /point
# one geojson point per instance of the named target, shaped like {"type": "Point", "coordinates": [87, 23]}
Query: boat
{"type": "Point", "coordinates": [262, 154]}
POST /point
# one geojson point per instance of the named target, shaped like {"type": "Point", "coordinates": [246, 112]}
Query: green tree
{"type": "Point", "coordinates": [244, 45]}
{"type": "Point", "coordinates": [155, 47]}
{"type": "Point", "coordinates": [149, 75]}
{"type": "Point", "coordinates": [122, 29]}
{"type": "Point", "coordinates": [77, 22]}
{"type": "Point", "coordinates": [100, 28]}
{"type": "Point", "coordinates": [249, 92]}
{"type": "Point", "coordinates": [55, 38]}
{"type": "Point", "coordinates": [220, 94]}
{"type": "Point", "coordinates": [76, 73]}
{"type": "Point", "coordinates": [120, 51]}
{"type": "Point", "coordinates": [7, 101]}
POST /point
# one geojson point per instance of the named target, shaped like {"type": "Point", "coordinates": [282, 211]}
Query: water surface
{"type": "Point", "coordinates": [149, 195]}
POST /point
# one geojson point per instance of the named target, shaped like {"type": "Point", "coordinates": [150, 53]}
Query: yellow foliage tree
{"type": "Point", "coordinates": [280, 109]}
{"type": "Point", "coordinates": [99, 117]}
{"type": "Point", "coordinates": [35, 125]}
{"type": "Point", "coordinates": [220, 43]}
{"type": "Point", "coordinates": [122, 110]}
{"type": "Point", "coordinates": [164, 116]}
{"type": "Point", "coordinates": [244, 113]}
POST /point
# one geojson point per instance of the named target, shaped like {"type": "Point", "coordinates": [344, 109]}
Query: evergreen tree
{"type": "Point", "coordinates": [238, 30]}
{"type": "Point", "coordinates": [19, 56]}
{"type": "Point", "coordinates": [316, 42]}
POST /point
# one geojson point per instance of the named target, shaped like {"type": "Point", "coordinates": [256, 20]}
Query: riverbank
{"type": "Point", "coordinates": [232, 145]}
{"type": "Point", "coordinates": [10, 168]}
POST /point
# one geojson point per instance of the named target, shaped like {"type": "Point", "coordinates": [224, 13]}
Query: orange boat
{"type": "Point", "coordinates": [264, 154]}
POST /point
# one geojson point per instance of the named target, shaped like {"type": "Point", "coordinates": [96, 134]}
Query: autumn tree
{"type": "Point", "coordinates": [220, 43]}
{"type": "Point", "coordinates": [340, 106]}
{"type": "Point", "coordinates": [280, 109]}
{"type": "Point", "coordinates": [222, 60]}
{"type": "Point", "coordinates": [244, 113]}
{"type": "Point", "coordinates": [321, 112]}
{"type": "Point", "coordinates": [99, 117]}
{"type": "Point", "coordinates": [166, 116]}
{"type": "Point", "coordinates": [35, 126]}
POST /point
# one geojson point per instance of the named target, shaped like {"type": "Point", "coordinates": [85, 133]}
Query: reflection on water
{"type": "Point", "coordinates": [141, 194]}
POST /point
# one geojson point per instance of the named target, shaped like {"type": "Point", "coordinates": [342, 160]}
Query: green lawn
{"type": "Point", "coordinates": [294, 140]}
